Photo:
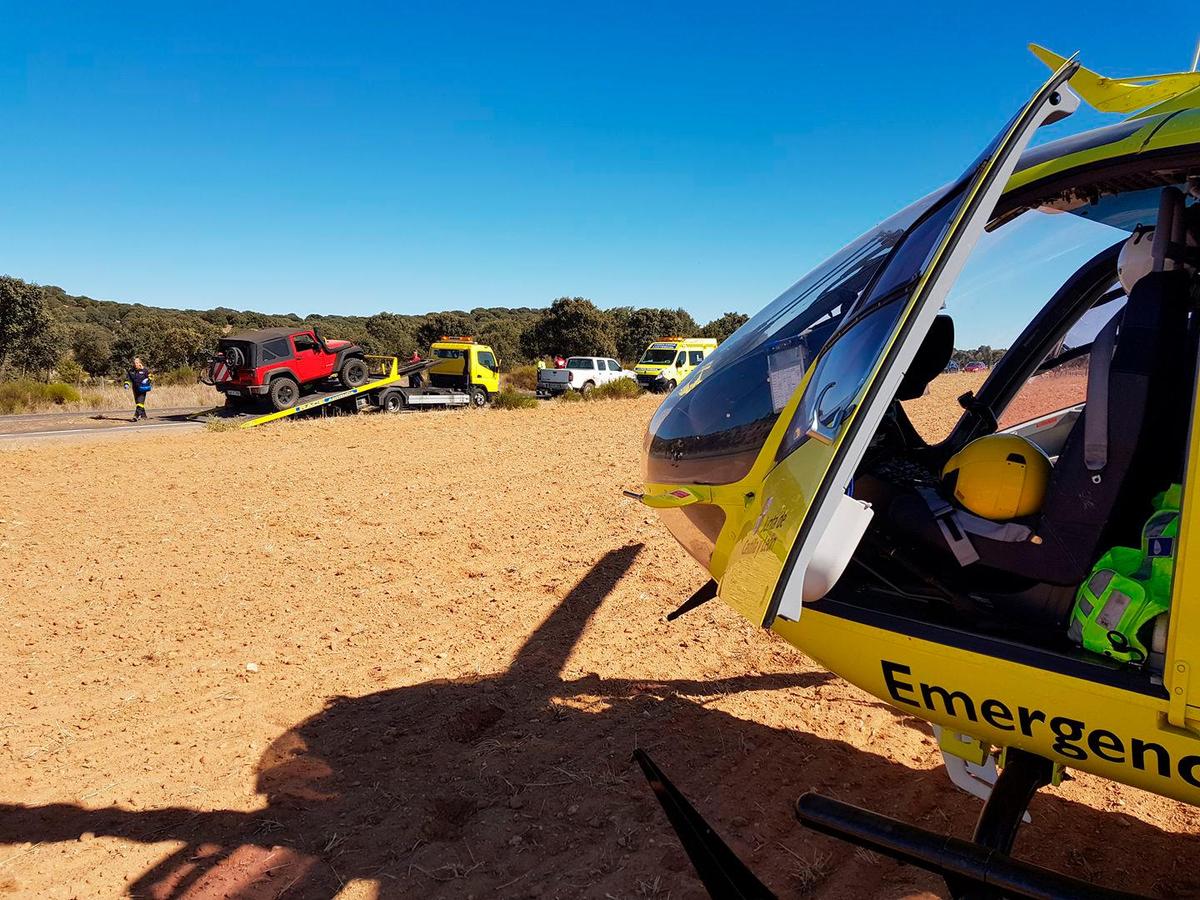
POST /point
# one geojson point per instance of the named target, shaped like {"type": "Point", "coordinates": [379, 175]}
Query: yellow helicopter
{"type": "Point", "coordinates": [1019, 578]}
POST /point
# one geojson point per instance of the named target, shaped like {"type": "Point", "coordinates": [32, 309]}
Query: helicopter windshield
{"type": "Point", "coordinates": [711, 429]}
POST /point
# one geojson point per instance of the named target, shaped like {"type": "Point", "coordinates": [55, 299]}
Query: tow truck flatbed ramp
{"type": "Point", "coordinates": [390, 375]}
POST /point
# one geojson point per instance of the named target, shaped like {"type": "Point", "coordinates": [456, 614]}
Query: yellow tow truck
{"type": "Point", "coordinates": [463, 364]}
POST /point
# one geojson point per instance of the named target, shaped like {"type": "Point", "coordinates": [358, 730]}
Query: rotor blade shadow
{"type": "Point", "coordinates": [546, 651]}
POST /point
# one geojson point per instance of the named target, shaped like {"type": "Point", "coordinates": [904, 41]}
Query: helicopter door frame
{"type": "Point", "coordinates": [1052, 102]}
{"type": "Point", "coordinates": [1181, 674]}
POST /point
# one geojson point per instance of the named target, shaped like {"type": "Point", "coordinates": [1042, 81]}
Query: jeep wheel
{"type": "Point", "coordinates": [283, 394]}
{"type": "Point", "coordinates": [479, 397]}
{"type": "Point", "coordinates": [391, 402]}
{"type": "Point", "coordinates": [354, 373]}
{"type": "Point", "coordinates": [670, 385]}
{"type": "Point", "coordinates": [587, 387]}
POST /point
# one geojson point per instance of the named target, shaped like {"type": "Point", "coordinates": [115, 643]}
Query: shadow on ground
{"type": "Point", "coordinates": [520, 785]}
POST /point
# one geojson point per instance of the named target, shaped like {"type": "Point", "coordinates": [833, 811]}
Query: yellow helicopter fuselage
{"type": "Point", "coordinates": [1131, 725]}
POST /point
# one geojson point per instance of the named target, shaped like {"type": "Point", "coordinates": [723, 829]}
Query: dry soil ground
{"type": "Point", "coordinates": [410, 656]}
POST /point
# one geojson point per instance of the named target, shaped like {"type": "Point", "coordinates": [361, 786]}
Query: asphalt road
{"type": "Point", "coordinates": [111, 423]}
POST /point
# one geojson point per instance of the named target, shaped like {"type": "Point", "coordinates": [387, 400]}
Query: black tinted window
{"type": "Point", "coordinates": [276, 349]}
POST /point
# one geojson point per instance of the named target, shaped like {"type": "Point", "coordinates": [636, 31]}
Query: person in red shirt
{"type": "Point", "coordinates": [559, 362]}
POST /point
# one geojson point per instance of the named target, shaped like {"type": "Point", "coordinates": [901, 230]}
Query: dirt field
{"type": "Point", "coordinates": [934, 414]}
{"type": "Point", "coordinates": [410, 656]}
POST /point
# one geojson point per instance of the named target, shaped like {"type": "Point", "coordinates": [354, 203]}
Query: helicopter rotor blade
{"type": "Point", "coordinates": [720, 870]}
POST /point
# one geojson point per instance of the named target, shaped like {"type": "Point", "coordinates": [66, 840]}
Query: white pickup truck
{"type": "Point", "coordinates": [581, 374]}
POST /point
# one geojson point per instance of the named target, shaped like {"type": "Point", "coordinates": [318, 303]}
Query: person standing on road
{"type": "Point", "coordinates": [138, 379]}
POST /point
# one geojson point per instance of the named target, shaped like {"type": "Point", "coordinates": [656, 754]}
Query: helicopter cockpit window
{"type": "Point", "coordinates": [1014, 271]}
{"type": "Point", "coordinates": [1060, 383]}
{"type": "Point", "coordinates": [712, 428]}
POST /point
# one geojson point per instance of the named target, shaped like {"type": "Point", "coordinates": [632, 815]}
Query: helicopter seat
{"type": "Point", "coordinates": [1128, 444]}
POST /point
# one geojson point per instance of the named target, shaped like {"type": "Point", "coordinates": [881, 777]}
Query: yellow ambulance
{"type": "Point", "coordinates": [667, 362]}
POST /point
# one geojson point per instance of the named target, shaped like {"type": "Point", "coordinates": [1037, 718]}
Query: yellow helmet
{"type": "Point", "coordinates": [1001, 476]}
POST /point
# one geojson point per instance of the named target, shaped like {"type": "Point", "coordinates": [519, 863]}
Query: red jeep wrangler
{"type": "Point", "coordinates": [277, 363]}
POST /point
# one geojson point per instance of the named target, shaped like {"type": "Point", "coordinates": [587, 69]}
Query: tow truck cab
{"type": "Point", "coordinates": [667, 362]}
{"type": "Point", "coordinates": [466, 365]}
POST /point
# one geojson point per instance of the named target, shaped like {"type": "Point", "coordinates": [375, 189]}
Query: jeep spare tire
{"type": "Point", "coordinates": [283, 394]}
{"type": "Point", "coordinates": [354, 373]}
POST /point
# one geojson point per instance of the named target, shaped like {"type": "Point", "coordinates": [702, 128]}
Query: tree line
{"type": "Point", "coordinates": [984, 353]}
{"type": "Point", "coordinates": [45, 332]}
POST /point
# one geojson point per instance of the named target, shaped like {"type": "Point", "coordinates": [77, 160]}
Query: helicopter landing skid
{"type": "Point", "coordinates": [975, 869]}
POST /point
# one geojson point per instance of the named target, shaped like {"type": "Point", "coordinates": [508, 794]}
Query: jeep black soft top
{"type": "Point", "coordinates": [241, 348]}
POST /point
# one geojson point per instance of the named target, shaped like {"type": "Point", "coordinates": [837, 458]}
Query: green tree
{"type": "Point", "coordinates": [725, 326]}
{"type": "Point", "coordinates": [572, 326]}
{"type": "Point", "coordinates": [92, 346]}
{"type": "Point", "coordinates": [24, 320]}
{"type": "Point", "coordinates": [392, 335]}
{"type": "Point", "coordinates": [69, 370]}
{"type": "Point", "coordinates": [40, 349]}
{"type": "Point", "coordinates": [643, 326]}
{"type": "Point", "coordinates": [437, 325]}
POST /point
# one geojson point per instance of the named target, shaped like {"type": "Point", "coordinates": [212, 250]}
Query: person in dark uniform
{"type": "Point", "coordinates": [138, 380]}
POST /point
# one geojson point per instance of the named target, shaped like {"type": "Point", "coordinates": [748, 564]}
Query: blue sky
{"type": "Point", "coordinates": [353, 158]}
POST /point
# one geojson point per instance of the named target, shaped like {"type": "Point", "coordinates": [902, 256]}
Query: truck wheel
{"type": "Point", "coordinates": [283, 394]}
{"type": "Point", "coordinates": [479, 397]}
{"type": "Point", "coordinates": [587, 387]}
{"type": "Point", "coordinates": [354, 373]}
{"type": "Point", "coordinates": [391, 402]}
{"type": "Point", "coordinates": [670, 385]}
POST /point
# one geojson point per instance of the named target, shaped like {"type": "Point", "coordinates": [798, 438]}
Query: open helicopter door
{"type": "Point", "coordinates": [809, 522]}
{"type": "Point", "coordinates": [804, 524]}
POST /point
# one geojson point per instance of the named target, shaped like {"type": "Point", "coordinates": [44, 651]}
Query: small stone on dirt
{"type": "Point", "coordinates": [251, 667]}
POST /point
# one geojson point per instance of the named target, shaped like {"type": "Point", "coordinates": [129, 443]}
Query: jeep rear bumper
{"type": "Point", "coordinates": [242, 390]}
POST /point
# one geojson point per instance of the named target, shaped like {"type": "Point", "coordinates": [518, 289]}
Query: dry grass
{"type": "Point", "coordinates": [114, 397]}
{"type": "Point", "coordinates": [619, 389]}
{"type": "Point", "coordinates": [510, 399]}
{"type": "Point", "coordinates": [522, 378]}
